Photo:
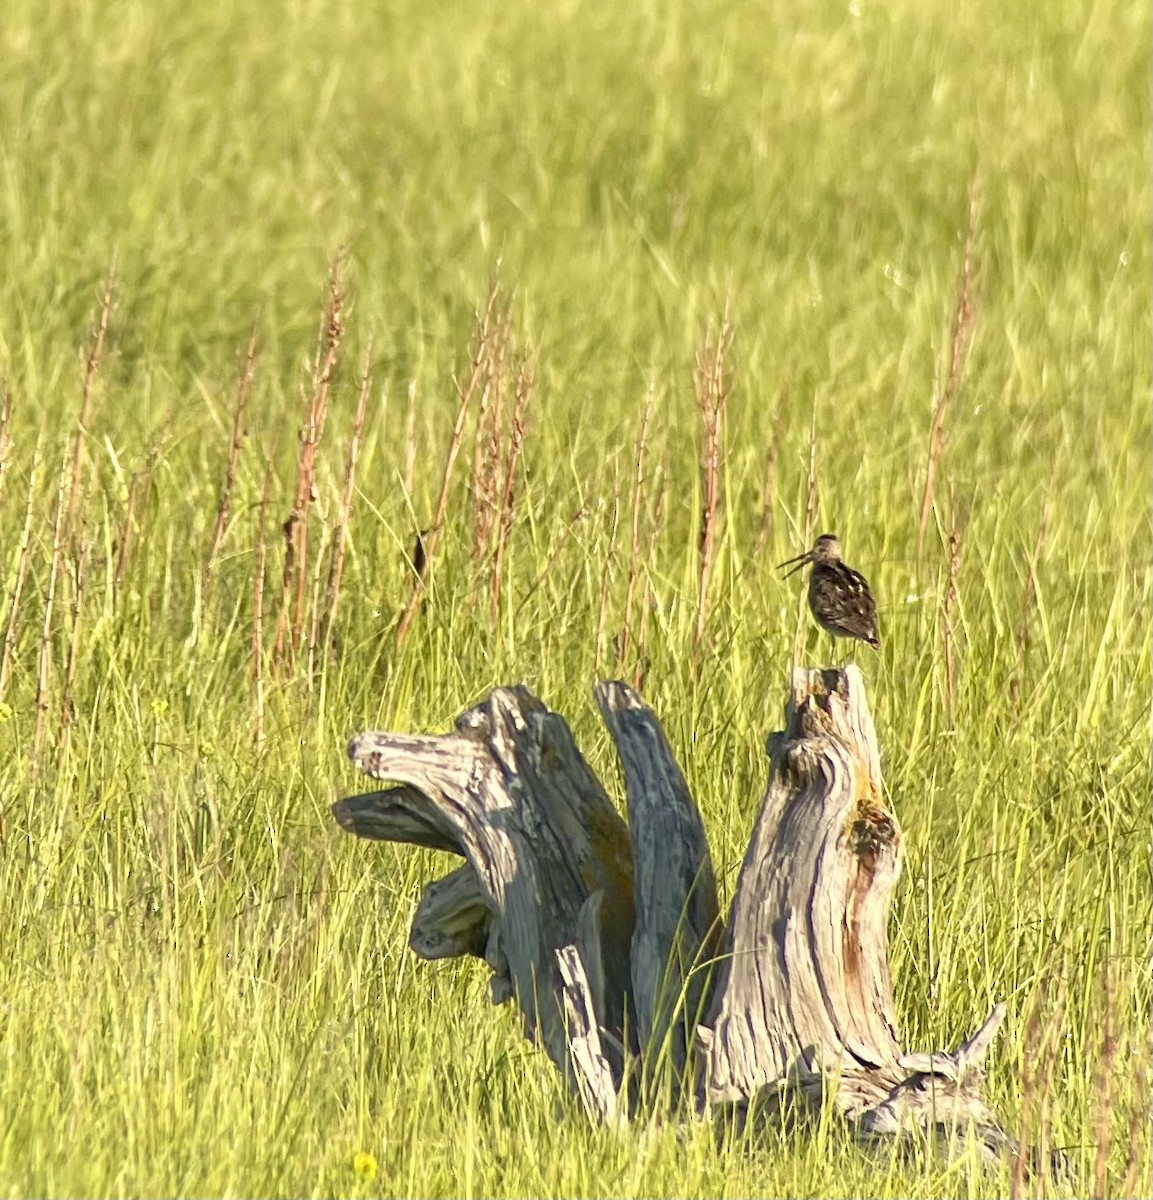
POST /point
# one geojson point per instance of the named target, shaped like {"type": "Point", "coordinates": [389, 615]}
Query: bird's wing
{"type": "Point", "coordinates": [841, 600]}
{"type": "Point", "coordinates": [858, 594]}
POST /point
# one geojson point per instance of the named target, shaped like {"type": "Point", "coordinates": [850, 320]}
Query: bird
{"type": "Point", "coordinates": [839, 597]}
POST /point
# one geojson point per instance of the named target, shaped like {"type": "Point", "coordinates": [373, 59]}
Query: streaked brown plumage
{"type": "Point", "coordinates": [839, 597]}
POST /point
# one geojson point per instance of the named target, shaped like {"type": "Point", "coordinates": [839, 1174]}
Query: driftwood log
{"type": "Point", "coordinates": [608, 937]}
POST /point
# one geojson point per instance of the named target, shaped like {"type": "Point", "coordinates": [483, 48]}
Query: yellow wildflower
{"type": "Point", "coordinates": [365, 1166]}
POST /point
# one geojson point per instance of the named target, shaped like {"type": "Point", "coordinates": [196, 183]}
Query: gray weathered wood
{"type": "Point", "coordinates": [582, 995]}
{"type": "Point", "coordinates": [509, 790]}
{"type": "Point", "coordinates": [803, 1009]}
{"type": "Point", "coordinates": [453, 917]}
{"type": "Point", "coordinates": [677, 921]}
{"type": "Point", "coordinates": [399, 814]}
{"type": "Point", "coordinates": [596, 1084]}
{"type": "Point", "coordinates": [596, 938]}
{"type": "Point", "coordinates": [804, 975]}
{"type": "Point", "coordinates": [938, 1096]}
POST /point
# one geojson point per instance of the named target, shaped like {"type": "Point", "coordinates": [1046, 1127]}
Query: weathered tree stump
{"type": "Point", "coordinates": [608, 936]}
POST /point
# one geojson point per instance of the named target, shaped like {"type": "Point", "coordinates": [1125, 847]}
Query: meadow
{"type": "Point", "coordinates": [204, 985]}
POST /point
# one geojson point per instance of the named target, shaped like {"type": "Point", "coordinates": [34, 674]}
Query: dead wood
{"type": "Point", "coordinates": [607, 934]}
{"type": "Point", "coordinates": [509, 791]}
{"type": "Point", "coordinates": [675, 888]}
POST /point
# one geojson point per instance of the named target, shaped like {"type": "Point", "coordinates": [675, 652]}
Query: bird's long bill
{"type": "Point", "coordinates": [795, 564]}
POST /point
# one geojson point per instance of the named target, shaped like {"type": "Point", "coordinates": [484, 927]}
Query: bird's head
{"type": "Point", "coordinates": [826, 549]}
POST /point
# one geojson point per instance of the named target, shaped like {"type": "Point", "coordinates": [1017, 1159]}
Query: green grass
{"type": "Point", "coordinates": [204, 986]}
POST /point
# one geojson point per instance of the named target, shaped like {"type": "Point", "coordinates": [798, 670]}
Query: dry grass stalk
{"type": "Point", "coordinates": [659, 514]}
{"type": "Point", "coordinates": [637, 505]}
{"type": "Point", "coordinates": [489, 435]}
{"type": "Point", "coordinates": [21, 575]}
{"type": "Point", "coordinates": [258, 602]}
{"type": "Point", "coordinates": [79, 578]}
{"type": "Point", "coordinates": [344, 513]}
{"type": "Point", "coordinates": [769, 484]}
{"type": "Point", "coordinates": [1139, 1120]}
{"type": "Point", "coordinates": [223, 507]}
{"type": "Point", "coordinates": [44, 658]}
{"type": "Point", "coordinates": [431, 536]}
{"type": "Point", "coordinates": [483, 501]}
{"type": "Point", "coordinates": [1017, 680]}
{"type": "Point", "coordinates": [640, 666]}
{"type": "Point", "coordinates": [810, 511]}
{"type": "Point", "coordinates": [323, 373]}
{"type": "Point", "coordinates": [92, 357]}
{"type": "Point", "coordinates": [713, 385]}
{"type": "Point", "coordinates": [811, 478]}
{"type": "Point", "coordinates": [295, 529]}
{"type": "Point", "coordinates": [312, 641]}
{"type": "Point", "coordinates": [522, 393]}
{"type": "Point", "coordinates": [948, 613]}
{"type": "Point", "coordinates": [606, 572]}
{"type": "Point", "coordinates": [964, 323]}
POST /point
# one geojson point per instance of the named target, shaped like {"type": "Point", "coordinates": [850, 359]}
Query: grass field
{"type": "Point", "coordinates": [204, 985]}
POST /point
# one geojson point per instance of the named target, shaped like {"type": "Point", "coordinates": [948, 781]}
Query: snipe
{"type": "Point", "coordinates": [839, 597]}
